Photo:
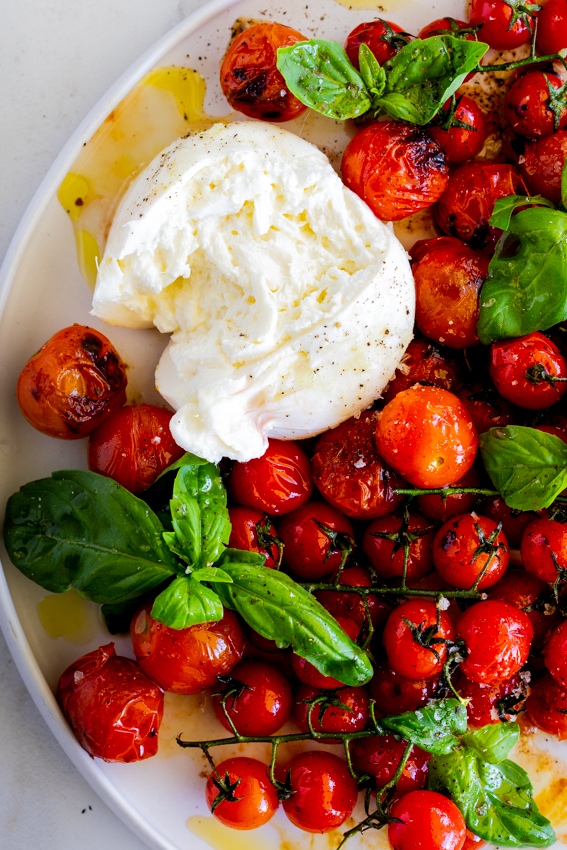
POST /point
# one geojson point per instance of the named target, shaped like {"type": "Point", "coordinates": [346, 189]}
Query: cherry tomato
{"type": "Point", "coordinates": [499, 29]}
{"type": "Point", "coordinates": [441, 508]}
{"type": "Point", "coordinates": [472, 842]}
{"type": "Point", "coordinates": [430, 820]}
{"type": "Point", "coordinates": [547, 707]}
{"type": "Point", "coordinates": [552, 26]}
{"type": "Point", "coordinates": [423, 363]}
{"type": "Point", "coordinates": [397, 168]}
{"type": "Point", "coordinates": [513, 522]}
{"type": "Point", "coordinates": [260, 699]}
{"type": "Point", "coordinates": [254, 799]}
{"type": "Point", "coordinates": [252, 531]}
{"type": "Point", "coordinates": [133, 445]}
{"type": "Point", "coordinates": [382, 37]}
{"type": "Point", "coordinates": [387, 557]}
{"type": "Point", "coordinates": [461, 143]}
{"type": "Point", "coordinates": [544, 547]}
{"type": "Point", "coordinates": [448, 277]}
{"type": "Point", "coordinates": [114, 709]}
{"type": "Point", "coordinates": [315, 538]}
{"type": "Point", "coordinates": [186, 661]}
{"type": "Point", "coordinates": [555, 654]}
{"type": "Point", "coordinates": [558, 427]}
{"type": "Point", "coordinates": [407, 654]}
{"type": "Point", "coordinates": [543, 163]}
{"type": "Point", "coordinates": [464, 546]}
{"type": "Point", "coordinates": [380, 758]}
{"type": "Point", "coordinates": [491, 703]}
{"type": "Point", "coordinates": [324, 792]}
{"type": "Point", "coordinates": [249, 76]}
{"type": "Point", "coordinates": [330, 713]}
{"type": "Point", "coordinates": [524, 371]}
{"type": "Point", "coordinates": [523, 589]}
{"type": "Point", "coordinates": [528, 105]}
{"type": "Point", "coordinates": [487, 409]}
{"type": "Point", "coordinates": [351, 605]}
{"type": "Point", "coordinates": [349, 472]}
{"type": "Point", "coordinates": [72, 383]}
{"type": "Point", "coordinates": [497, 637]}
{"type": "Point", "coordinates": [308, 673]}
{"type": "Point", "coordinates": [275, 483]}
{"type": "Point", "coordinates": [467, 203]}
{"type": "Point", "coordinates": [394, 694]}
{"type": "Point", "coordinates": [427, 435]}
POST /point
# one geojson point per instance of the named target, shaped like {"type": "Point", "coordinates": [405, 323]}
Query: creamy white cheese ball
{"type": "Point", "coordinates": [288, 302]}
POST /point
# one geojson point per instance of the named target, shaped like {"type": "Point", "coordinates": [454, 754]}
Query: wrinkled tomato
{"type": "Point", "coordinates": [543, 163]}
{"type": "Point", "coordinates": [424, 364]}
{"type": "Point", "coordinates": [467, 546]}
{"type": "Point", "coordinates": [275, 483]}
{"type": "Point", "coordinates": [497, 638]}
{"type": "Point", "coordinates": [394, 694]}
{"type": "Point", "coordinates": [380, 757]}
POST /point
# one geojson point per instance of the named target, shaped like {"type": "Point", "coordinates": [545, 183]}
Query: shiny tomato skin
{"type": "Point", "coordinates": [487, 409]}
{"type": "Point", "coordinates": [423, 363]}
{"type": "Point", "coordinates": [513, 368]}
{"type": "Point", "coordinates": [72, 383]}
{"type": "Point", "coordinates": [397, 168]}
{"type": "Point", "coordinates": [275, 483]}
{"type": "Point", "coordinates": [542, 537]}
{"type": "Point", "coordinates": [427, 435]}
{"type": "Point", "coordinates": [380, 757]}
{"type": "Point", "coordinates": [309, 553]}
{"type": "Point", "coordinates": [351, 605]}
{"type": "Point", "coordinates": [405, 656]}
{"type": "Point", "coordinates": [389, 563]}
{"type": "Point", "coordinates": [249, 76]}
{"type": "Point", "coordinates": [264, 704]}
{"type": "Point", "coordinates": [308, 673]}
{"type": "Point", "coordinates": [440, 509]}
{"type": "Point", "coordinates": [482, 705]}
{"type": "Point", "coordinates": [259, 799]}
{"type": "Point", "coordinates": [394, 694]}
{"type": "Point", "coordinates": [543, 163]}
{"type": "Point", "coordinates": [466, 205]}
{"type": "Point", "coordinates": [375, 35]}
{"type": "Point", "coordinates": [114, 709]}
{"type": "Point", "coordinates": [431, 821]}
{"type": "Point", "coordinates": [552, 26]}
{"type": "Point", "coordinates": [555, 654]}
{"type": "Point", "coordinates": [186, 661]}
{"type": "Point", "coordinates": [522, 589]}
{"type": "Point", "coordinates": [244, 533]}
{"type": "Point", "coordinates": [547, 707]}
{"type": "Point", "coordinates": [527, 105]}
{"type": "Point", "coordinates": [334, 718]}
{"type": "Point", "coordinates": [497, 637]}
{"type": "Point", "coordinates": [448, 278]}
{"type": "Point", "coordinates": [495, 17]}
{"type": "Point", "coordinates": [349, 472]}
{"type": "Point", "coordinates": [324, 791]}
{"type": "Point", "coordinates": [455, 546]}
{"type": "Point", "coordinates": [133, 445]}
{"type": "Point", "coordinates": [461, 143]}
{"type": "Point", "coordinates": [473, 842]}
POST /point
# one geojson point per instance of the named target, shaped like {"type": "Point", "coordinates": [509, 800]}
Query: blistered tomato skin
{"type": "Point", "coordinates": [72, 383]}
{"type": "Point", "coordinates": [247, 525]}
{"type": "Point", "coordinates": [430, 821]}
{"type": "Point", "coordinates": [552, 26]}
{"type": "Point", "coordinates": [258, 801]}
{"type": "Point", "coordinates": [405, 655]}
{"type": "Point", "coordinates": [461, 143]}
{"type": "Point", "coordinates": [497, 637]}
{"type": "Point", "coordinates": [114, 709]}
{"type": "Point", "coordinates": [543, 163]}
{"type": "Point", "coordinates": [249, 76]}
{"type": "Point", "coordinates": [523, 371]}
{"type": "Point", "coordinates": [487, 408]}
{"type": "Point", "coordinates": [186, 661]}
{"type": "Point", "coordinates": [456, 555]}
{"type": "Point", "coordinates": [427, 435]}
{"type": "Point", "coordinates": [495, 17]}
{"type": "Point", "coordinates": [394, 694]}
{"type": "Point", "coordinates": [310, 553]}
{"type": "Point", "coordinates": [424, 363]}
{"type": "Point", "coordinates": [324, 792]}
{"type": "Point", "coordinates": [262, 706]}
{"type": "Point", "coordinates": [397, 168]}
{"type": "Point", "coordinates": [544, 548]}
{"type": "Point", "coordinates": [276, 483]}
{"type": "Point", "coordinates": [387, 559]}
{"type": "Point", "coordinates": [547, 707]}
{"type": "Point", "coordinates": [380, 758]}
{"type": "Point", "coordinates": [382, 40]}
{"type": "Point", "coordinates": [527, 105]}
{"type": "Point", "coordinates": [482, 705]}
{"type": "Point", "coordinates": [555, 654]}
{"type": "Point", "coordinates": [133, 446]}
{"type": "Point", "coordinates": [523, 589]}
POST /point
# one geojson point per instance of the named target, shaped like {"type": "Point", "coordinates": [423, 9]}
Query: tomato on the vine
{"type": "Point", "coordinates": [387, 556]}
{"type": "Point", "coordinates": [351, 605]}
{"type": "Point", "coordinates": [544, 547]}
{"type": "Point", "coordinates": [504, 23]}
{"type": "Point", "coordinates": [529, 371]}
{"type": "Point", "coordinates": [467, 546]}
{"type": "Point", "coordinates": [424, 363]}
{"type": "Point", "coordinates": [384, 39]}
{"type": "Point", "coordinates": [523, 589]}
{"type": "Point", "coordinates": [248, 799]}
{"type": "Point", "coordinates": [555, 654]}
{"type": "Point", "coordinates": [487, 408]}
{"type": "Point", "coordinates": [316, 538]}
{"type": "Point", "coordinates": [394, 694]}
{"type": "Point", "coordinates": [253, 531]}
{"type": "Point", "coordinates": [308, 673]}
{"type": "Point", "coordinates": [492, 703]}
{"type": "Point", "coordinates": [419, 650]}
{"type": "Point", "coordinates": [460, 142]}
{"type": "Point", "coordinates": [338, 710]}
{"type": "Point", "coordinates": [547, 707]}
{"type": "Point", "coordinates": [543, 165]}
{"type": "Point", "coordinates": [528, 105]}
{"type": "Point", "coordinates": [260, 698]}
{"type": "Point", "coordinates": [497, 638]}
{"type": "Point", "coordinates": [275, 483]}
{"type": "Point", "coordinates": [380, 757]}
{"type": "Point", "coordinates": [324, 792]}
{"type": "Point", "coordinates": [514, 522]}
{"type": "Point", "coordinates": [552, 26]}
{"type": "Point", "coordinates": [441, 508]}
{"type": "Point", "coordinates": [428, 820]}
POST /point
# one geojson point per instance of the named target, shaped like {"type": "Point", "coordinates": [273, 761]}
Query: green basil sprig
{"type": "Point", "coordinates": [432, 728]}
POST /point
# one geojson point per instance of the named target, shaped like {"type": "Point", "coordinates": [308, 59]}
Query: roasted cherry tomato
{"type": "Point", "coordinates": [249, 76]}
{"type": "Point", "coordinates": [467, 203]}
{"type": "Point", "coordinates": [275, 483]}
{"type": "Point", "coordinates": [468, 545]}
{"type": "Point", "coordinates": [308, 673]}
{"type": "Point", "coordinates": [522, 589]}
{"type": "Point", "coordinates": [557, 427]}
{"type": "Point", "coordinates": [555, 654]}
{"type": "Point", "coordinates": [528, 108]}
{"type": "Point", "coordinates": [424, 364]}
{"type": "Point", "coordinates": [441, 508]}
{"type": "Point", "coordinates": [385, 553]}
{"type": "Point", "coordinates": [251, 800]}
{"type": "Point", "coordinates": [114, 709]}
{"type": "Point", "coordinates": [397, 168]}
{"type": "Point", "coordinates": [133, 446]}
{"type": "Point", "coordinates": [528, 371]}
{"type": "Point", "coordinates": [350, 605]}
{"type": "Point", "coordinates": [460, 143]}
{"type": "Point", "coordinates": [394, 694]}
{"type": "Point", "coordinates": [316, 537]}
{"type": "Point", "coordinates": [448, 278]}
{"type": "Point", "coordinates": [324, 792]}
{"type": "Point", "coordinates": [259, 699]}
{"type": "Point", "coordinates": [547, 707]}
{"type": "Point", "coordinates": [73, 382]}
{"type": "Point", "coordinates": [252, 531]}
{"type": "Point", "coordinates": [552, 26]}
{"type": "Point", "coordinates": [544, 547]}
{"type": "Point", "coordinates": [430, 820]}
{"type": "Point", "coordinates": [427, 435]}
{"type": "Point", "coordinates": [543, 164]}
{"type": "Point", "coordinates": [350, 473]}
{"type": "Point", "coordinates": [337, 710]}
{"type": "Point", "coordinates": [186, 661]}
{"type": "Point", "coordinates": [411, 651]}
{"type": "Point", "coordinates": [472, 841]}
{"type": "Point", "coordinates": [487, 409]}
{"type": "Point", "coordinates": [384, 39]}
{"type": "Point", "coordinates": [380, 758]}
{"type": "Point", "coordinates": [495, 702]}
{"type": "Point", "coordinates": [497, 637]}
{"type": "Point", "coordinates": [504, 23]}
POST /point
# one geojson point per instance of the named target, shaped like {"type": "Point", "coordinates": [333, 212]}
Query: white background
{"type": "Point", "coordinates": [57, 59]}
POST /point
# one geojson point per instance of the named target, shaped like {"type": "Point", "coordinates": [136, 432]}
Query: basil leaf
{"type": "Point", "coordinates": [158, 494]}
{"type": "Point", "coordinates": [371, 71]}
{"type": "Point", "coordinates": [431, 728]}
{"type": "Point", "coordinates": [81, 529]}
{"type": "Point", "coordinates": [504, 208]}
{"type": "Point", "coordinates": [188, 459]}
{"type": "Point", "coordinates": [526, 286]}
{"type": "Point", "coordinates": [280, 609]}
{"type": "Point", "coordinates": [528, 467]}
{"type": "Point", "coordinates": [320, 75]}
{"type": "Point", "coordinates": [211, 574]}
{"type": "Point", "coordinates": [493, 742]}
{"type": "Point", "coordinates": [186, 602]}
{"type": "Point", "coordinates": [496, 801]}
{"type": "Point", "coordinates": [424, 74]}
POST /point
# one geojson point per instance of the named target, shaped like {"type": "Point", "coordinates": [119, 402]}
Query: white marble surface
{"type": "Point", "coordinates": [57, 58]}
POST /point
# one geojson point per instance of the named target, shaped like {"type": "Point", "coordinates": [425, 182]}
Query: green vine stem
{"type": "Point", "coordinates": [445, 491]}
{"type": "Point", "coordinates": [397, 591]}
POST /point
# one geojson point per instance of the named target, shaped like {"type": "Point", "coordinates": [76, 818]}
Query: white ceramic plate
{"type": "Point", "coordinates": [161, 799]}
